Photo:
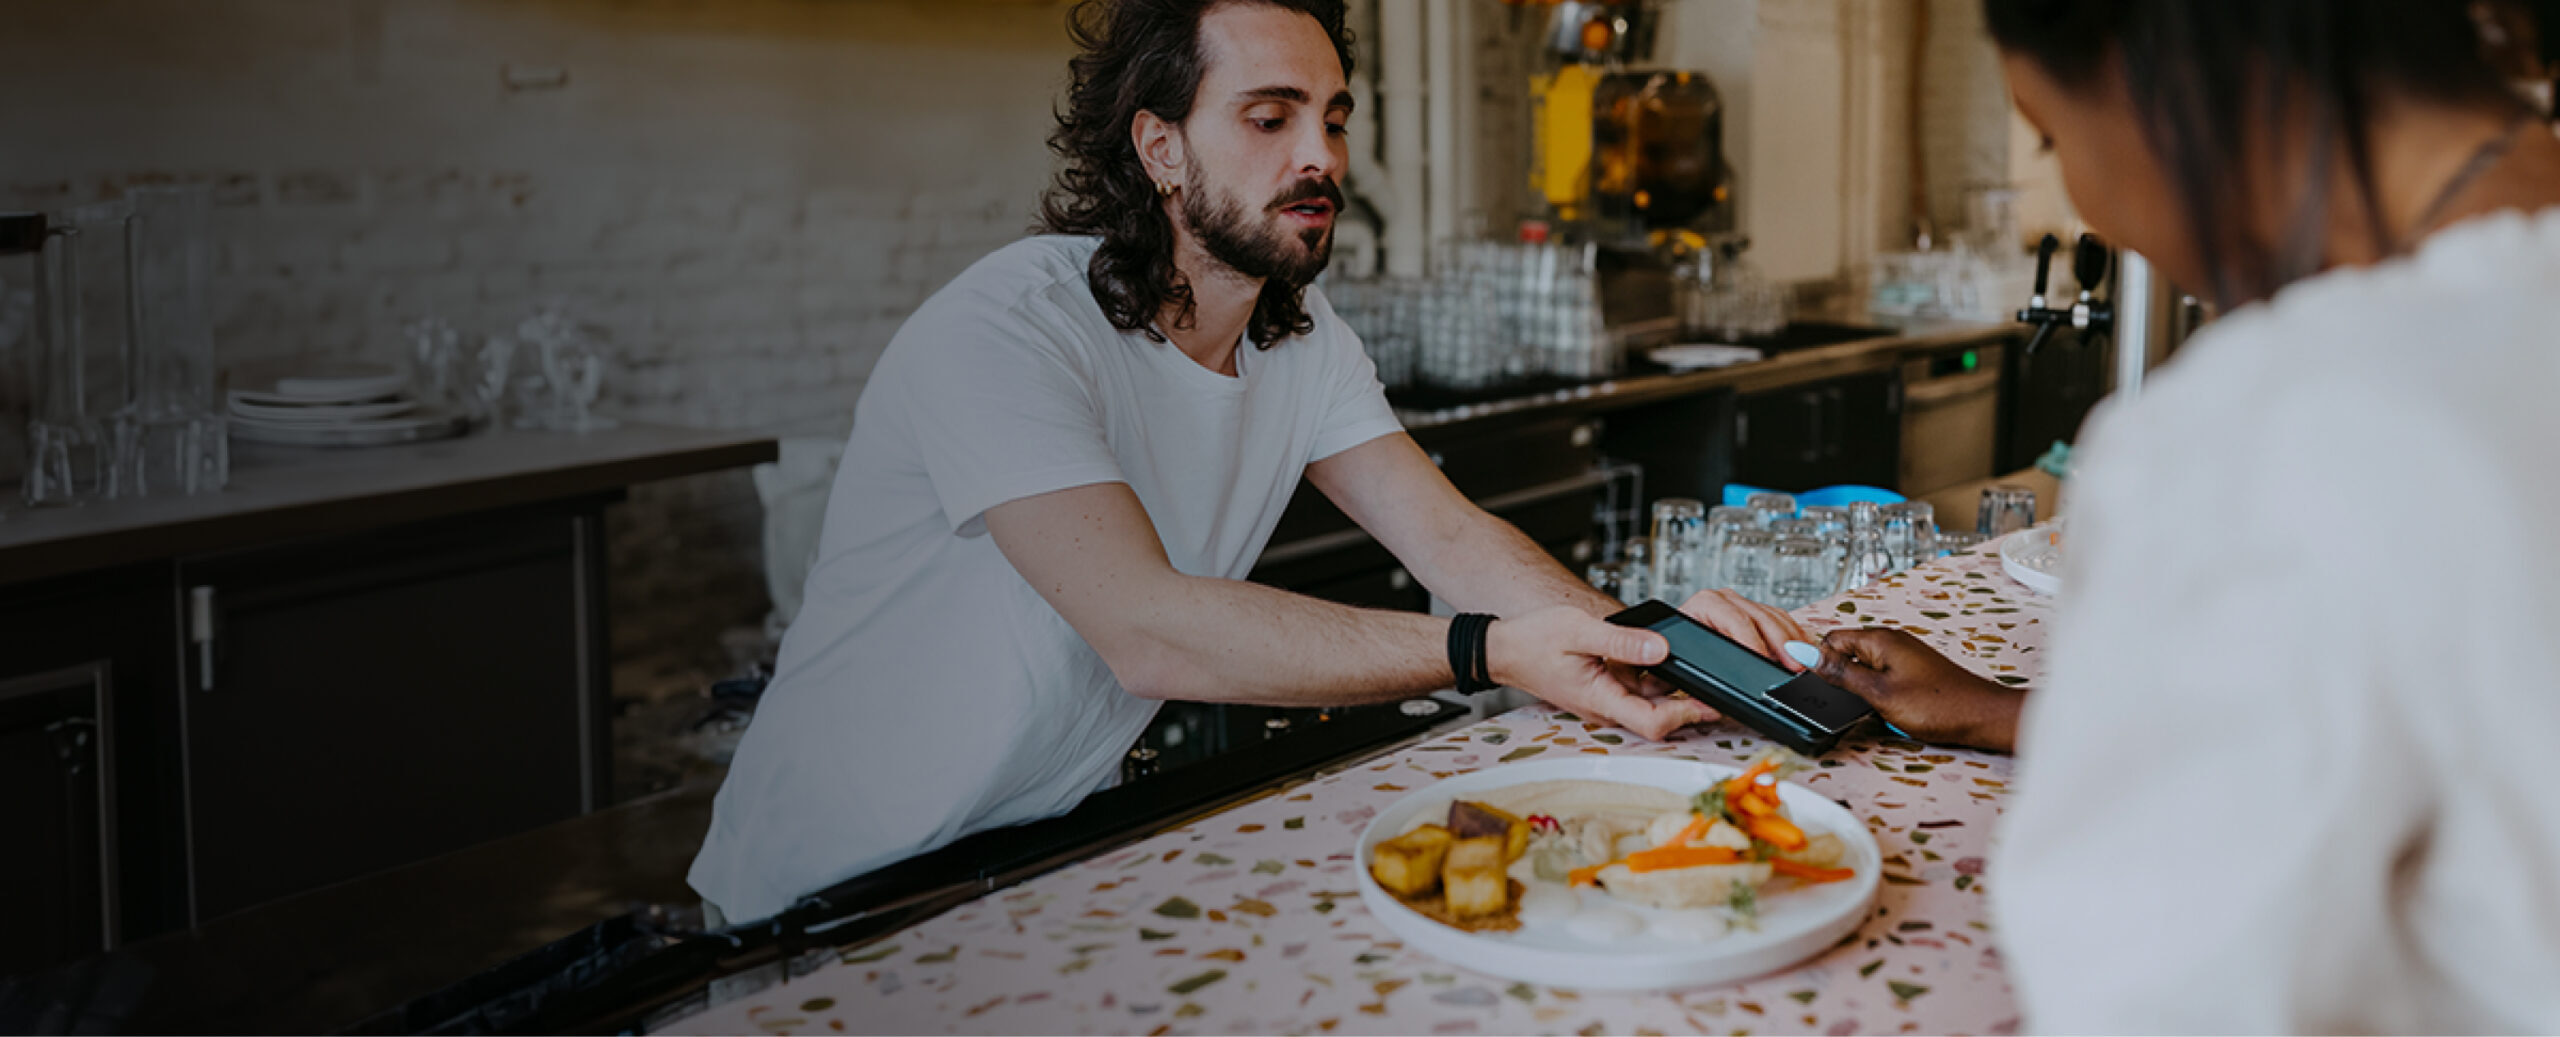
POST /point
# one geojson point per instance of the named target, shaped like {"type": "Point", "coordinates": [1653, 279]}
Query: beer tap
{"type": "Point", "coordinates": [2086, 314]}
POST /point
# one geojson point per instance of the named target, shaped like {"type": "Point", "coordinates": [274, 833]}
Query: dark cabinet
{"type": "Point", "coordinates": [90, 851]}
{"type": "Point", "coordinates": [59, 873]}
{"type": "Point", "coordinates": [1683, 446]}
{"type": "Point", "coordinates": [2049, 393]}
{"type": "Point", "coordinates": [1540, 476]}
{"type": "Point", "coordinates": [1838, 431]}
{"type": "Point", "coordinates": [366, 702]}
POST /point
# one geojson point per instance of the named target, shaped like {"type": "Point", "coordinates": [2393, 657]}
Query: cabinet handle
{"type": "Point", "coordinates": [74, 745]}
{"type": "Point", "coordinates": [1582, 435]}
{"type": "Point", "coordinates": [200, 632]}
{"type": "Point", "coordinates": [1398, 579]}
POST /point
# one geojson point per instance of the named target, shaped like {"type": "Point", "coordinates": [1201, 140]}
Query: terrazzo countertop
{"type": "Point", "coordinates": [1249, 920]}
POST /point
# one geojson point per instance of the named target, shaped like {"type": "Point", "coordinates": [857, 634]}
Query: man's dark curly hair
{"type": "Point", "coordinates": [1144, 55]}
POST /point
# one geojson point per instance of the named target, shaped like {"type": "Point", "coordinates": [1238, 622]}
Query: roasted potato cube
{"type": "Point", "coordinates": [1409, 864]}
{"type": "Point", "coordinates": [1473, 877]}
{"type": "Point", "coordinates": [1470, 819]}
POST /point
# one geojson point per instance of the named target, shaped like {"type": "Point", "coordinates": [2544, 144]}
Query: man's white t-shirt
{"type": "Point", "coordinates": [2290, 769]}
{"type": "Point", "coordinates": [925, 691]}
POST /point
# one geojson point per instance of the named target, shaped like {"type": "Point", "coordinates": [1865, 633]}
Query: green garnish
{"type": "Point", "coordinates": [1710, 801]}
{"type": "Point", "coordinates": [1744, 902]}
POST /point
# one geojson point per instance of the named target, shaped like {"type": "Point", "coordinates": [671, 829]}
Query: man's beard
{"type": "Point", "coordinates": [1260, 250]}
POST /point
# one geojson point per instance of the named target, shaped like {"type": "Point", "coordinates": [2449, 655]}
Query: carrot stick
{"type": "Point", "coordinates": [1808, 872]}
{"type": "Point", "coordinates": [1742, 783]}
{"type": "Point", "coordinates": [1585, 876]}
{"type": "Point", "coordinates": [1698, 824]}
{"type": "Point", "coordinates": [1681, 857]}
{"type": "Point", "coordinates": [1777, 831]}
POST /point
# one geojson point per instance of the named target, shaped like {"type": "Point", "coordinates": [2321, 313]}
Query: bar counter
{"type": "Point", "coordinates": [1249, 920]}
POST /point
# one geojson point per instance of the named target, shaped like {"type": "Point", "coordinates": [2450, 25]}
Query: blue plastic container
{"type": "Point", "coordinates": [1735, 494]}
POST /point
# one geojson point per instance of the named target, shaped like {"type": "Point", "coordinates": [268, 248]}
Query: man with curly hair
{"type": "Point", "coordinates": [1068, 459]}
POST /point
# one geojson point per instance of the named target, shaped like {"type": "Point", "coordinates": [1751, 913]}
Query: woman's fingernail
{"type": "Point", "coordinates": [1804, 654]}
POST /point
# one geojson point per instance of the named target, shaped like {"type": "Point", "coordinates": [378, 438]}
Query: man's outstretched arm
{"type": "Point", "coordinates": [1480, 563]}
{"type": "Point", "coordinates": [1092, 553]}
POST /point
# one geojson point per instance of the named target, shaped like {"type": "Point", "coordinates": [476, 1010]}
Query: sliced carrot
{"type": "Point", "coordinates": [1741, 783]}
{"type": "Point", "coordinates": [1808, 872]}
{"type": "Point", "coordinates": [1776, 831]}
{"type": "Point", "coordinates": [1585, 876]}
{"type": "Point", "coordinates": [1681, 857]}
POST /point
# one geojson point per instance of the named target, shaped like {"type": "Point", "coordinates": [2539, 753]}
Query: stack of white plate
{"type": "Point", "coordinates": [1700, 356]}
{"type": "Point", "coordinates": [355, 408]}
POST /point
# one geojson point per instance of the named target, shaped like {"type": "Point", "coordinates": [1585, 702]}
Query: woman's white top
{"type": "Point", "coordinates": [2295, 763]}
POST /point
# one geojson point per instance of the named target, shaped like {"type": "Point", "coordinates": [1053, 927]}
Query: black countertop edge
{"type": "Point", "coordinates": [112, 544]}
{"type": "Point", "coordinates": [1789, 368]}
{"type": "Point", "coordinates": [587, 925]}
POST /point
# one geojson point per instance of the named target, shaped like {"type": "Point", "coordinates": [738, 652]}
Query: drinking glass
{"type": "Point", "coordinates": [1958, 541]}
{"type": "Point", "coordinates": [1910, 533]}
{"type": "Point", "coordinates": [1679, 535]}
{"type": "Point", "coordinates": [493, 370]}
{"type": "Point", "coordinates": [1459, 331]}
{"type": "Point", "coordinates": [1771, 507]}
{"type": "Point", "coordinates": [66, 448]}
{"type": "Point", "coordinates": [1800, 573]}
{"type": "Point", "coordinates": [1867, 561]}
{"type": "Point", "coordinates": [170, 434]}
{"type": "Point", "coordinates": [1748, 558]}
{"type": "Point", "coordinates": [1635, 575]}
{"type": "Point", "coordinates": [2006, 509]}
{"type": "Point", "coordinates": [435, 361]}
{"type": "Point", "coordinates": [572, 358]}
{"type": "Point", "coordinates": [1865, 517]}
{"type": "Point", "coordinates": [1828, 519]}
{"type": "Point", "coordinates": [1795, 527]}
{"type": "Point", "coordinates": [1606, 577]}
{"type": "Point", "coordinates": [1722, 523]}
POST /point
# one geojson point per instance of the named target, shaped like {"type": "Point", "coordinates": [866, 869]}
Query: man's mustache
{"type": "Point", "coordinates": [1309, 190]}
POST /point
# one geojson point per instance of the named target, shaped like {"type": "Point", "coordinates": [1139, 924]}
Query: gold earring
{"type": "Point", "coordinates": [1164, 189]}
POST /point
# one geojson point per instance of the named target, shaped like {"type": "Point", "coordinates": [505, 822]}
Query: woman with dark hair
{"type": "Point", "coordinates": [2286, 769]}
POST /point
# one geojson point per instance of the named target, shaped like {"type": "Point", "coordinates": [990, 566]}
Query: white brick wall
{"type": "Point", "coordinates": [750, 195]}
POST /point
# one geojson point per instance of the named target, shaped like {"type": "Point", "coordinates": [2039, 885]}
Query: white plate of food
{"type": "Point", "coordinates": [2033, 557]}
{"type": "Point", "coordinates": [1682, 898]}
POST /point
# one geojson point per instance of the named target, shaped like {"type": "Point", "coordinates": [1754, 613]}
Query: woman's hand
{"type": "Point", "coordinates": [1925, 694]}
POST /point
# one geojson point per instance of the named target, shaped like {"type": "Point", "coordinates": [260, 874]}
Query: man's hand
{"type": "Point", "coordinates": [1563, 654]}
{"type": "Point", "coordinates": [1925, 694]}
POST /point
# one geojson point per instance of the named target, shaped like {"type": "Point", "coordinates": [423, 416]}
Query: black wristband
{"type": "Point", "coordinates": [1484, 648]}
{"type": "Point", "coordinates": [1467, 652]}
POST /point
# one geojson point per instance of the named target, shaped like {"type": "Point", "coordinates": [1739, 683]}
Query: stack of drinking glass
{"type": "Point", "coordinates": [1776, 553]}
{"type": "Point", "coordinates": [1490, 313]}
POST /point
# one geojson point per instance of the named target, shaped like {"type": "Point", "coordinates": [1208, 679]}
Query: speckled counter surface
{"type": "Point", "coordinates": [1248, 921]}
